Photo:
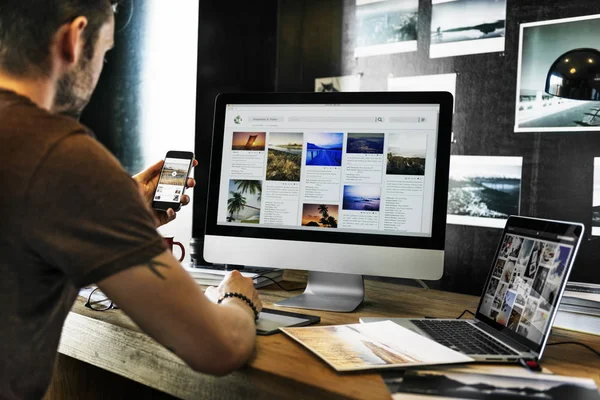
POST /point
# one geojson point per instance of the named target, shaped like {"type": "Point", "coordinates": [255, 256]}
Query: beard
{"type": "Point", "coordinates": [74, 91]}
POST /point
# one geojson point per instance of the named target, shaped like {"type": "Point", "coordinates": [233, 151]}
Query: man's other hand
{"type": "Point", "coordinates": [148, 181]}
{"type": "Point", "coordinates": [236, 283]}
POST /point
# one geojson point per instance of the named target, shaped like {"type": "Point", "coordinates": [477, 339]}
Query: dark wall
{"type": "Point", "coordinates": [114, 110]}
{"type": "Point", "coordinates": [317, 38]}
{"type": "Point", "coordinates": [309, 43]}
{"type": "Point", "coordinates": [236, 53]}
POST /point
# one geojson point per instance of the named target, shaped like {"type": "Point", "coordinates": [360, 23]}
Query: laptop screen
{"type": "Point", "coordinates": [526, 281]}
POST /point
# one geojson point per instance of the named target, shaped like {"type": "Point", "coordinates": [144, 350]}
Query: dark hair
{"type": "Point", "coordinates": [27, 28]}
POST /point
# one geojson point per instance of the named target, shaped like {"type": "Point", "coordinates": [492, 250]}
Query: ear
{"type": "Point", "coordinates": [71, 40]}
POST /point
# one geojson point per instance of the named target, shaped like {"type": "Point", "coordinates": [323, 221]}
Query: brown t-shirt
{"type": "Point", "coordinates": [69, 216]}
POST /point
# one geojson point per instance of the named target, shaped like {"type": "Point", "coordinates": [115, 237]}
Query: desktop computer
{"type": "Point", "coordinates": [339, 184]}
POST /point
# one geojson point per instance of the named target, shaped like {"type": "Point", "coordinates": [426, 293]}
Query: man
{"type": "Point", "coordinates": [72, 216]}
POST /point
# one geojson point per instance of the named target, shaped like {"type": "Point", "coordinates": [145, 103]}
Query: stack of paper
{"type": "Point", "coordinates": [372, 346]}
{"type": "Point", "coordinates": [579, 308]}
{"type": "Point", "coordinates": [212, 277]}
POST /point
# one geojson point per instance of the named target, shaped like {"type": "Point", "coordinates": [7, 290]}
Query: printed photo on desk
{"type": "Point", "coordinates": [596, 199]}
{"type": "Point", "coordinates": [460, 27]}
{"type": "Point", "coordinates": [484, 191]}
{"type": "Point", "coordinates": [373, 346]}
{"type": "Point", "coordinates": [541, 43]}
{"type": "Point", "coordinates": [350, 83]}
{"type": "Point", "coordinates": [386, 27]}
{"type": "Point", "coordinates": [456, 384]}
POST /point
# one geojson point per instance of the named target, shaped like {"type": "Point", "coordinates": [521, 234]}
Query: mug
{"type": "Point", "coordinates": [170, 242]}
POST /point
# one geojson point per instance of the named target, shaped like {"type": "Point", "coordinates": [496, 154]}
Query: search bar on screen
{"type": "Point", "coordinates": [407, 120]}
{"type": "Point", "coordinates": [367, 120]}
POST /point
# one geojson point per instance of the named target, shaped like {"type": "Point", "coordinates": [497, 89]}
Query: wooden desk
{"type": "Point", "coordinates": [280, 368]}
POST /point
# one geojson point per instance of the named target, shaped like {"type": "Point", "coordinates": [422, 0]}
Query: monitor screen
{"type": "Point", "coordinates": [335, 179]}
{"type": "Point", "coordinates": [346, 168]}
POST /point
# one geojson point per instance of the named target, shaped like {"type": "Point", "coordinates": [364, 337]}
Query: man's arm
{"type": "Point", "coordinates": [162, 298]}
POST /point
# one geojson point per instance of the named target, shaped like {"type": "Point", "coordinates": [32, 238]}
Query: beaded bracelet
{"type": "Point", "coordinates": [241, 297]}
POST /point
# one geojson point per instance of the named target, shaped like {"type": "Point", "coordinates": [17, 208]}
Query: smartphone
{"type": "Point", "coordinates": [173, 177]}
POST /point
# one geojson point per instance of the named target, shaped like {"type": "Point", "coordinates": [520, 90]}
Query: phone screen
{"type": "Point", "coordinates": [172, 180]}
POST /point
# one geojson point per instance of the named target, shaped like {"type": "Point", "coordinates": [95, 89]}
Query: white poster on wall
{"type": "Point", "coordinates": [424, 83]}
{"type": "Point", "coordinates": [540, 44]}
{"type": "Point", "coordinates": [386, 27]}
{"type": "Point", "coordinates": [460, 27]}
{"type": "Point", "coordinates": [483, 190]}
{"type": "Point", "coordinates": [349, 83]}
{"type": "Point", "coordinates": [596, 199]}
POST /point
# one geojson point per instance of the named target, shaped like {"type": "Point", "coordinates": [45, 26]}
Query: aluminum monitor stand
{"type": "Point", "coordinates": [329, 292]}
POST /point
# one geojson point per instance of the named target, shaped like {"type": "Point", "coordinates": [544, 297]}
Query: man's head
{"type": "Point", "coordinates": [61, 40]}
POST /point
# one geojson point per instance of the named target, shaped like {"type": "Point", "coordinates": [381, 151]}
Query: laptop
{"type": "Point", "coordinates": [520, 297]}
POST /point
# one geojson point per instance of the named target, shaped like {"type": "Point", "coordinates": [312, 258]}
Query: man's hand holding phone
{"type": "Point", "coordinates": [148, 181]}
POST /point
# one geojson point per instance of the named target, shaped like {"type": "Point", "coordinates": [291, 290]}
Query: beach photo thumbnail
{"type": "Point", "coordinates": [320, 215]}
{"type": "Point", "coordinates": [284, 160]}
{"type": "Point", "coordinates": [324, 149]}
{"type": "Point", "coordinates": [249, 141]}
{"type": "Point", "coordinates": [365, 143]}
{"type": "Point", "coordinates": [362, 197]}
{"type": "Point", "coordinates": [243, 202]}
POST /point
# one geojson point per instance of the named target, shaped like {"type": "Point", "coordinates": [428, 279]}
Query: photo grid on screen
{"type": "Point", "coordinates": [524, 286]}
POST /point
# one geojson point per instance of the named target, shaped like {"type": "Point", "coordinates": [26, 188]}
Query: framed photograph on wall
{"type": "Point", "coordinates": [386, 27]}
{"type": "Point", "coordinates": [484, 191]}
{"type": "Point", "coordinates": [540, 44]}
{"type": "Point", "coordinates": [460, 27]}
{"type": "Point", "coordinates": [596, 199]}
{"type": "Point", "coordinates": [349, 83]}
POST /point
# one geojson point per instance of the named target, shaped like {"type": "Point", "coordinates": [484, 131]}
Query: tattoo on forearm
{"type": "Point", "coordinates": [153, 266]}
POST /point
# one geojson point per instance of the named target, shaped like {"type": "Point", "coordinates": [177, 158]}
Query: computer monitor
{"type": "Point", "coordinates": [339, 184]}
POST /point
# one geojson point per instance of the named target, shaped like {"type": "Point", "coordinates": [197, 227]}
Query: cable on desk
{"type": "Point", "coordinates": [578, 344]}
{"type": "Point", "coordinates": [422, 284]}
{"type": "Point", "coordinates": [464, 312]}
{"type": "Point", "coordinates": [264, 275]}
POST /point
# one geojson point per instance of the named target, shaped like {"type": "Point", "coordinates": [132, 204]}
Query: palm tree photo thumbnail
{"type": "Point", "coordinates": [243, 204]}
{"type": "Point", "coordinates": [320, 215]}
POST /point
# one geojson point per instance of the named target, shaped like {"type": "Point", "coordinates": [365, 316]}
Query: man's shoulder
{"type": "Point", "coordinates": [34, 140]}
{"type": "Point", "coordinates": [34, 128]}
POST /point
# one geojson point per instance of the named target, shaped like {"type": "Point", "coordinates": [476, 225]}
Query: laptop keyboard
{"type": "Point", "coordinates": [462, 336]}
